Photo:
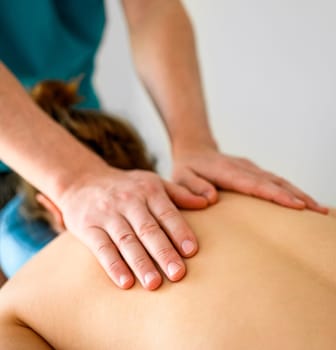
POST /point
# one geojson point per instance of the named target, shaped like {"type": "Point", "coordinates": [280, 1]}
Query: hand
{"type": "Point", "coordinates": [201, 169]}
{"type": "Point", "coordinates": [126, 218]}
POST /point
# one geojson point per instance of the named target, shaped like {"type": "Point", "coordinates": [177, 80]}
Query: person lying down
{"type": "Point", "coordinates": [264, 278]}
{"type": "Point", "coordinates": [23, 228]}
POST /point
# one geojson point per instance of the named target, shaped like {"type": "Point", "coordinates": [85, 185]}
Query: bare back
{"type": "Point", "coordinates": [264, 278]}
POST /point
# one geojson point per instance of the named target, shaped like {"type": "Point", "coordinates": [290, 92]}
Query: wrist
{"type": "Point", "coordinates": [193, 144]}
{"type": "Point", "coordinates": [66, 181]}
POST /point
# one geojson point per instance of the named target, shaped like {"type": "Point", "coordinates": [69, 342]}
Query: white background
{"type": "Point", "coordinates": [269, 72]}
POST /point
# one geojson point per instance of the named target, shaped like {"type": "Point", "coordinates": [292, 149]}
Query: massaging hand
{"type": "Point", "coordinates": [127, 218]}
{"type": "Point", "coordinates": [201, 169]}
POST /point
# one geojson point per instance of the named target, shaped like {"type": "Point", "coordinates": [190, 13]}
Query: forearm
{"type": "Point", "coordinates": [165, 57]}
{"type": "Point", "coordinates": [35, 146]}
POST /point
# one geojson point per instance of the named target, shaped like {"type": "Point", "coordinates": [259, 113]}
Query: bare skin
{"type": "Point", "coordinates": [264, 275]}
{"type": "Point", "coordinates": [133, 210]}
{"type": "Point", "coordinates": [164, 52]}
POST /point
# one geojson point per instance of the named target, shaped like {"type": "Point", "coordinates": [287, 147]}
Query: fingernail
{"type": "Point", "coordinates": [210, 196]}
{"type": "Point", "coordinates": [123, 280]}
{"type": "Point", "coordinates": [299, 201]}
{"type": "Point", "coordinates": [207, 194]}
{"type": "Point", "coordinates": [188, 246]}
{"type": "Point", "coordinates": [323, 208]}
{"type": "Point", "coordinates": [149, 277]}
{"type": "Point", "coordinates": [173, 269]}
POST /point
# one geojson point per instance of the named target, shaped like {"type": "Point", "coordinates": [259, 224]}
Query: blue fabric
{"type": "Point", "coordinates": [44, 39]}
{"type": "Point", "coordinates": [3, 167]}
{"type": "Point", "coordinates": [52, 39]}
{"type": "Point", "coordinates": [20, 239]}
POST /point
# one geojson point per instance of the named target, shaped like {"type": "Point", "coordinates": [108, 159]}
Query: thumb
{"type": "Point", "coordinates": [197, 185]}
{"type": "Point", "coordinates": [183, 198]}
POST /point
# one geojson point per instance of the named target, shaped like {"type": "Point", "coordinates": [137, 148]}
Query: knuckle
{"type": "Point", "coordinates": [168, 213]}
{"type": "Point", "coordinates": [103, 246]}
{"type": "Point", "coordinates": [180, 179]}
{"type": "Point", "coordinates": [140, 262]}
{"type": "Point", "coordinates": [267, 189]}
{"type": "Point", "coordinates": [125, 238]}
{"type": "Point", "coordinates": [124, 196]}
{"type": "Point", "coordinates": [281, 181]}
{"type": "Point", "coordinates": [278, 191]}
{"type": "Point", "coordinates": [148, 229]}
{"type": "Point", "coordinates": [104, 205]}
{"type": "Point", "coordinates": [115, 267]}
{"type": "Point", "coordinates": [151, 187]}
{"type": "Point", "coordinates": [165, 253]}
{"type": "Point", "coordinates": [86, 220]}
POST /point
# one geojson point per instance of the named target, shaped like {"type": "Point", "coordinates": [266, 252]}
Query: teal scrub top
{"type": "Point", "coordinates": [52, 39]}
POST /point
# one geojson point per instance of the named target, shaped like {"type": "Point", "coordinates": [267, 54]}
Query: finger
{"type": "Point", "coordinates": [253, 169]}
{"type": "Point", "coordinates": [134, 253]}
{"type": "Point", "coordinates": [173, 223]}
{"type": "Point", "coordinates": [310, 202]}
{"type": "Point", "coordinates": [262, 188]}
{"type": "Point", "coordinates": [155, 241]}
{"type": "Point", "coordinates": [270, 191]}
{"type": "Point", "coordinates": [250, 167]}
{"type": "Point", "coordinates": [106, 253]}
{"type": "Point", "coordinates": [183, 198]}
{"type": "Point", "coordinates": [199, 186]}
{"type": "Point", "coordinates": [332, 212]}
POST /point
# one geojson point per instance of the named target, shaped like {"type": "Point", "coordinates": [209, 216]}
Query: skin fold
{"type": "Point", "coordinates": [264, 277]}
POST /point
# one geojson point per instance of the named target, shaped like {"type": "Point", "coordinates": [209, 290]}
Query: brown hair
{"type": "Point", "coordinates": [109, 137]}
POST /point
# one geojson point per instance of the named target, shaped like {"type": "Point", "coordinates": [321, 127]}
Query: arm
{"type": "Point", "coordinates": [43, 149]}
{"type": "Point", "coordinates": [165, 57]}
{"type": "Point", "coordinates": [88, 193]}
